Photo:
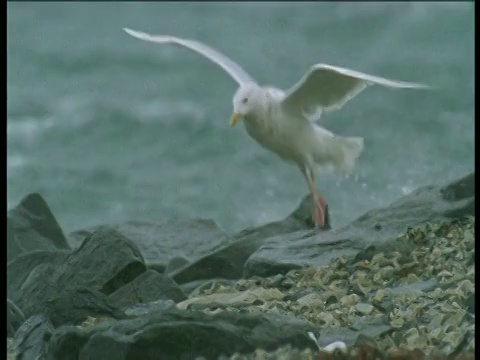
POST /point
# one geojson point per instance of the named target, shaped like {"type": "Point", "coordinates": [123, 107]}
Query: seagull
{"type": "Point", "coordinates": [284, 122]}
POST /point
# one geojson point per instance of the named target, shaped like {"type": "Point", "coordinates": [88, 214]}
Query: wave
{"type": "Point", "coordinates": [28, 127]}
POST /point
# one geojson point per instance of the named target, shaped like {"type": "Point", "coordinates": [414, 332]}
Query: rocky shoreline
{"type": "Point", "coordinates": [396, 283]}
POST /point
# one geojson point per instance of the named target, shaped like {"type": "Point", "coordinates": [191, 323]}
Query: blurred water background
{"type": "Point", "coordinates": [108, 128]}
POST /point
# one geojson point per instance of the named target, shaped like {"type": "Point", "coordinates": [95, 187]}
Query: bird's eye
{"type": "Point", "coordinates": [244, 100]}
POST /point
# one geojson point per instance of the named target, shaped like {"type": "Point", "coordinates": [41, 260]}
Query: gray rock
{"type": "Point", "coordinates": [290, 244]}
{"type": "Point", "coordinates": [107, 271]}
{"type": "Point", "coordinates": [285, 252]}
{"type": "Point", "coordinates": [105, 262]}
{"type": "Point", "coordinates": [366, 326]}
{"type": "Point", "coordinates": [174, 334]}
{"type": "Point", "coordinates": [74, 305]}
{"type": "Point", "coordinates": [32, 226]}
{"type": "Point", "coordinates": [376, 228]}
{"type": "Point", "coordinates": [15, 318]}
{"type": "Point", "coordinates": [147, 287]}
{"type": "Point", "coordinates": [469, 303]}
{"type": "Point", "coordinates": [161, 242]}
{"type": "Point", "coordinates": [460, 189]}
{"type": "Point", "coordinates": [275, 281]}
{"type": "Point", "coordinates": [20, 268]}
{"type": "Point", "coordinates": [389, 301]}
{"type": "Point", "coordinates": [175, 263]}
{"type": "Point", "coordinates": [31, 339]}
{"type": "Point", "coordinates": [423, 286]}
{"type": "Point", "coordinates": [364, 308]}
{"type": "Point", "coordinates": [227, 261]}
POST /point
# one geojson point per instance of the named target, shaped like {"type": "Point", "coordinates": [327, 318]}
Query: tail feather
{"type": "Point", "coordinates": [338, 152]}
{"type": "Point", "coordinates": [352, 147]}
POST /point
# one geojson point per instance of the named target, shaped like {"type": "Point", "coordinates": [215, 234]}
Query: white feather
{"type": "Point", "coordinates": [325, 87]}
{"type": "Point", "coordinates": [231, 67]}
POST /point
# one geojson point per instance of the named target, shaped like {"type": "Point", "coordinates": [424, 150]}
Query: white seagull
{"type": "Point", "coordinates": [284, 121]}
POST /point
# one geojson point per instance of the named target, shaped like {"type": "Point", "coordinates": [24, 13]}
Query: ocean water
{"type": "Point", "coordinates": [108, 128]}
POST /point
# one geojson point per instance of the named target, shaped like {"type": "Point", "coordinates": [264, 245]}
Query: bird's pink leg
{"type": "Point", "coordinates": [319, 204]}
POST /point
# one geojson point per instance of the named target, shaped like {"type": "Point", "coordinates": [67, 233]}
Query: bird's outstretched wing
{"type": "Point", "coordinates": [232, 68]}
{"type": "Point", "coordinates": [328, 88]}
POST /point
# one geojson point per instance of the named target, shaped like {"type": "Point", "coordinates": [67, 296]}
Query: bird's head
{"type": "Point", "coordinates": [245, 102]}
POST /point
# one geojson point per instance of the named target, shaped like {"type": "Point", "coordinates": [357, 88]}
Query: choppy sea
{"type": "Point", "coordinates": [108, 128]}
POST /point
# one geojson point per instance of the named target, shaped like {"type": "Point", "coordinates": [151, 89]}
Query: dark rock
{"type": "Point", "coordinates": [460, 189]}
{"type": "Point", "coordinates": [31, 339]}
{"type": "Point", "coordinates": [32, 226]}
{"type": "Point", "coordinates": [147, 287]}
{"type": "Point", "coordinates": [38, 287]}
{"type": "Point", "coordinates": [15, 318]}
{"type": "Point", "coordinates": [469, 303]}
{"type": "Point", "coordinates": [160, 242]}
{"type": "Point", "coordinates": [74, 305]}
{"type": "Point", "coordinates": [19, 269]}
{"type": "Point", "coordinates": [105, 262]}
{"type": "Point", "coordinates": [76, 238]}
{"type": "Point", "coordinates": [161, 268]}
{"type": "Point", "coordinates": [175, 263]}
{"type": "Point", "coordinates": [102, 346]}
{"type": "Point", "coordinates": [227, 261]}
{"type": "Point", "coordinates": [377, 228]}
{"type": "Point", "coordinates": [302, 216]}
{"type": "Point", "coordinates": [174, 334]}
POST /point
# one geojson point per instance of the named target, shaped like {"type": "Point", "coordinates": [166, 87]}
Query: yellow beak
{"type": "Point", "coordinates": [234, 119]}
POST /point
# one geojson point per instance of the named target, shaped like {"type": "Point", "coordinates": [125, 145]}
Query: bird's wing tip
{"type": "Point", "coordinates": [148, 37]}
{"type": "Point", "coordinates": [419, 86]}
{"type": "Point", "coordinates": [135, 33]}
{"type": "Point", "coordinates": [130, 32]}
